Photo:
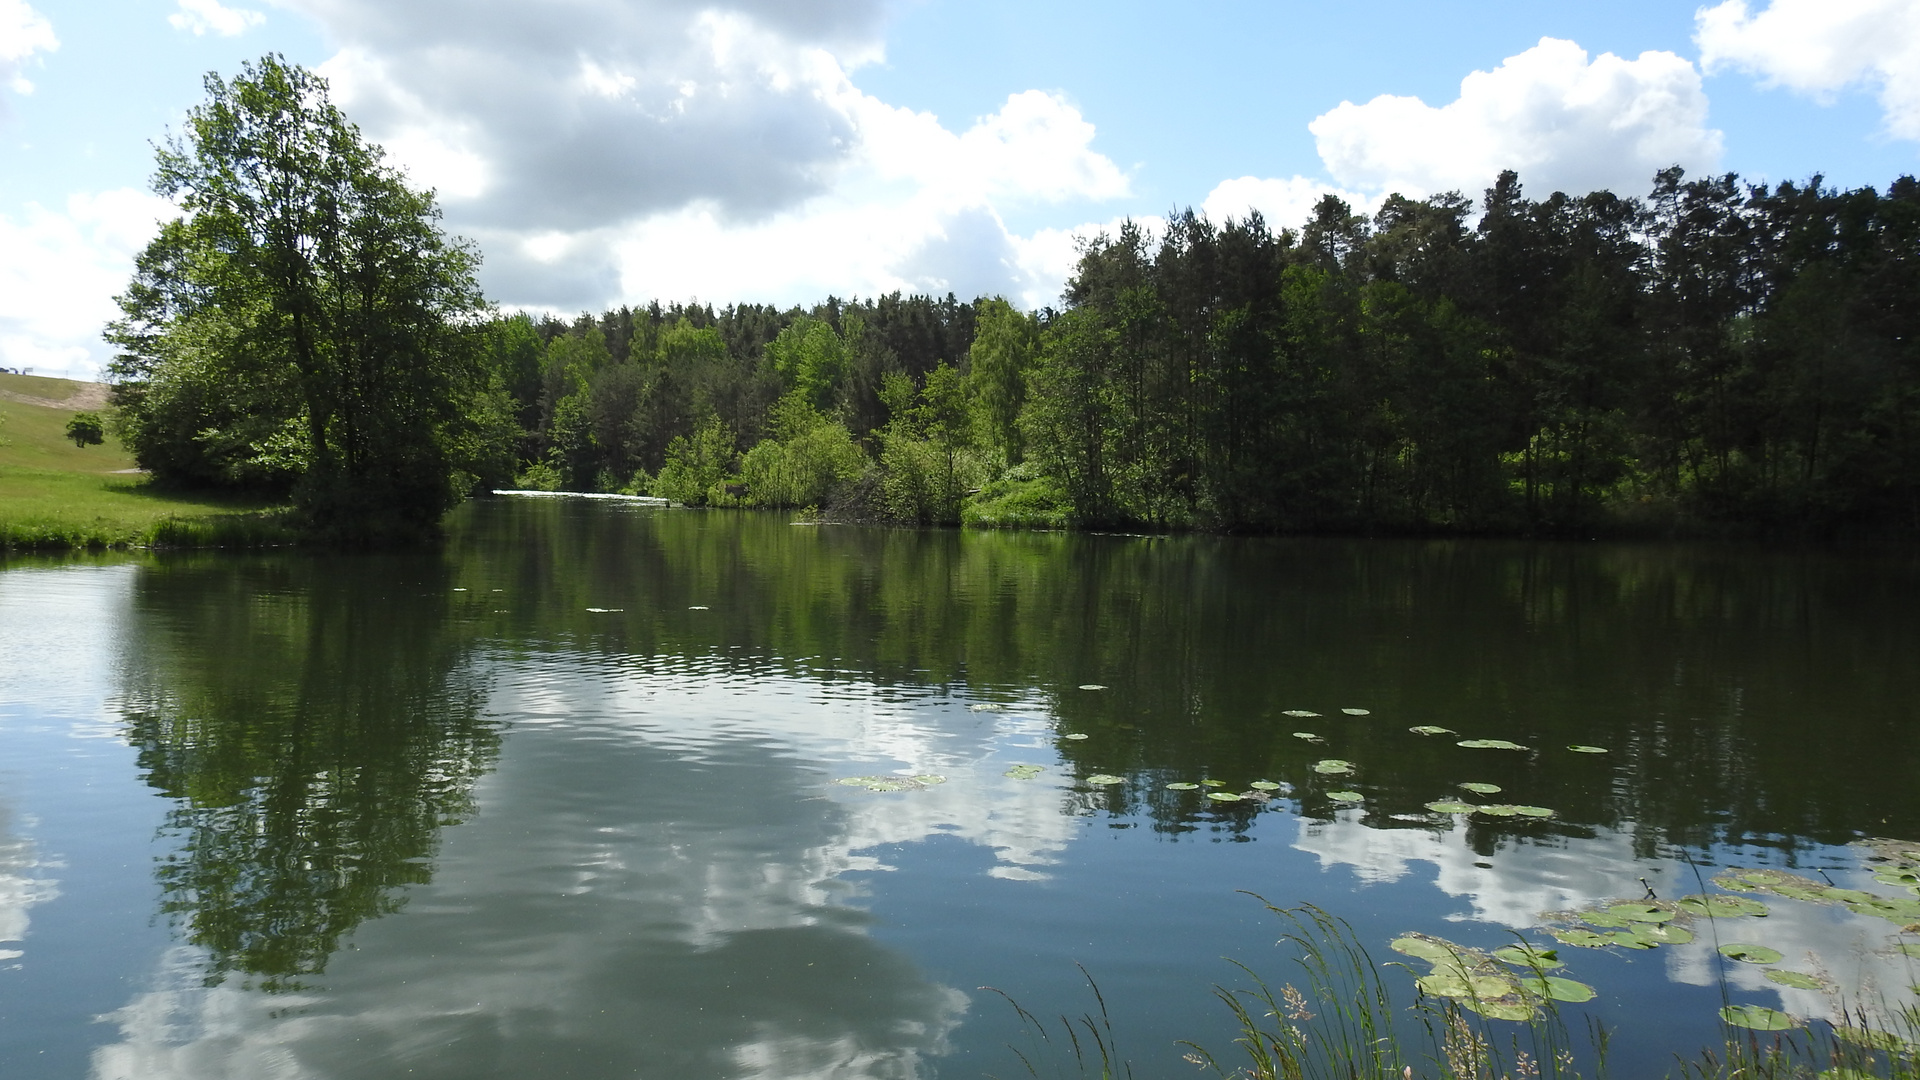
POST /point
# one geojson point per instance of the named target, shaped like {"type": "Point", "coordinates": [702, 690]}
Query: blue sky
{"type": "Point", "coordinates": [610, 151]}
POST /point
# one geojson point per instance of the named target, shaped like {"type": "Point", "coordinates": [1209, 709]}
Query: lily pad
{"type": "Point", "coordinates": [1076, 736]}
{"type": "Point", "coordinates": [1604, 919]}
{"type": "Point", "coordinates": [1557, 988]}
{"type": "Point", "coordinates": [1491, 744]}
{"type": "Point", "coordinates": [1445, 806]}
{"type": "Point", "coordinates": [1528, 956]}
{"type": "Point", "coordinates": [1585, 939]}
{"type": "Point", "coordinates": [1105, 779]}
{"type": "Point", "coordinates": [1662, 933]}
{"type": "Point", "coordinates": [929, 779]}
{"type": "Point", "coordinates": [1799, 980]}
{"type": "Point", "coordinates": [1867, 1037]}
{"type": "Point", "coordinates": [1896, 910]}
{"type": "Point", "coordinates": [1519, 1012]}
{"type": "Point", "coordinates": [1308, 735]}
{"type": "Point", "coordinates": [1423, 948]}
{"type": "Point", "coordinates": [1213, 783]}
{"type": "Point", "coordinates": [1630, 939]}
{"type": "Point", "coordinates": [1265, 785]}
{"type": "Point", "coordinates": [1721, 907]}
{"type": "Point", "coordinates": [1429, 729]}
{"type": "Point", "coordinates": [1357, 712]}
{"type": "Point", "coordinates": [1748, 953]}
{"type": "Point", "coordinates": [1453, 984]}
{"type": "Point", "coordinates": [1534, 811]}
{"type": "Point", "coordinates": [1645, 913]}
{"type": "Point", "coordinates": [1333, 767]}
{"type": "Point", "coordinates": [1224, 796]}
{"type": "Point", "coordinates": [1908, 948]}
{"type": "Point", "coordinates": [1481, 789]}
{"type": "Point", "coordinates": [1346, 796]}
{"type": "Point", "coordinates": [1498, 810]}
{"type": "Point", "coordinates": [987, 706]}
{"type": "Point", "coordinates": [1182, 785]}
{"type": "Point", "coordinates": [1025, 772]}
{"type": "Point", "coordinates": [1757, 1017]}
{"type": "Point", "coordinates": [1895, 875]}
{"type": "Point", "coordinates": [1581, 748]}
{"type": "Point", "coordinates": [1092, 686]}
{"type": "Point", "coordinates": [1299, 712]}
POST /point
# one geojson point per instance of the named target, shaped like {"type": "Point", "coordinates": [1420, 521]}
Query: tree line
{"type": "Point", "coordinates": [1717, 354]}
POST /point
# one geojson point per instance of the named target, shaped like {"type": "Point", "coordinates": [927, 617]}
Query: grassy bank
{"type": "Point", "coordinates": [58, 496]}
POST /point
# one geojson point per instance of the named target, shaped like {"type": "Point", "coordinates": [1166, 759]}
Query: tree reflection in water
{"type": "Point", "coordinates": [318, 722]}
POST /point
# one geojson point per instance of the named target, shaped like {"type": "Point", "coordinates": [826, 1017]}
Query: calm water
{"type": "Point", "coordinates": [560, 800]}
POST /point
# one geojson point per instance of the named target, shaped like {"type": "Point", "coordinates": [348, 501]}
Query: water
{"type": "Point", "coordinates": [560, 800]}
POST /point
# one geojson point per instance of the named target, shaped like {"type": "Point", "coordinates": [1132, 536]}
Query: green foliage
{"type": "Point", "coordinates": [86, 429]}
{"type": "Point", "coordinates": [1019, 499]}
{"type": "Point", "coordinates": [811, 360]}
{"type": "Point", "coordinates": [1001, 358]}
{"type": "Point", "coordinates": [926, 457]}
{"type": "Point", "coordinates": [808, 457]}
{"type": "Point", "coordinates": [697, 465]}
{"type": "Point", "coordinates": [305, 326]}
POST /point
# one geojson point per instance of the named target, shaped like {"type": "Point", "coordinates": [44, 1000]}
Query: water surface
{"type": "Point", "coordinates": [560, 800]}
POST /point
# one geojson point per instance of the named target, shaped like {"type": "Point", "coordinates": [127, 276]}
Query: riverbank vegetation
{"type": "Point", "coordinates": [1717, 357]}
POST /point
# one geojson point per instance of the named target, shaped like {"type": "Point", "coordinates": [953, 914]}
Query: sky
{"type": "Point", "coordinates": [607, 152]}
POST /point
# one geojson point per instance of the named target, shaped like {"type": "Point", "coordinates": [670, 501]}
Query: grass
{"type": "Point", "coordinates": [58, 496]}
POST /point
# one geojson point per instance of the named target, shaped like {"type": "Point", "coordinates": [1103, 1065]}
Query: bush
{"type": "Point", "coordinates": [696, 464]}
{"type": "Point", "coordinates": [802, 469]}
{"type": "Point", "coordinates": [1018, 500]}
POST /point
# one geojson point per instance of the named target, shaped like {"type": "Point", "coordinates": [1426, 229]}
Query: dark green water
{"type": "Point", "coordinates": [560, 800]}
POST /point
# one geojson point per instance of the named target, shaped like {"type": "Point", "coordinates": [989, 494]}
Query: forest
{"type": "Point", "coordinates": [1719, 357]}
{"type": "Point", "coordinates": [1716, 355]}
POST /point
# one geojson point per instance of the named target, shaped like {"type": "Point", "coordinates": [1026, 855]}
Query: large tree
{"type": "Point", "coordinates": [305, 324]}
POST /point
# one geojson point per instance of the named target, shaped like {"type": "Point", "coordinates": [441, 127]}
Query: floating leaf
{"type": "Point", "coordinates": [1356, 712]}
{"type": "Point", "coordinates": [1579, 748]}
{"type": "Point", "coordinates": [1422, 947]}
{"type": "Point", "coordinates": [1491, 744]}
{"type": "Point", "coordinates": [1749, 954]}
{"type": "Point", "coordinates": [1224, 796]}
{"type": "Point", "coordinates": [929, 779]}
{"type": "Point", "coordinates": [1429, 729]}
{"type": "Point", "coordinates": [1604, 919]}
{"type": "Point", "coordinates": [986, 706]}
{"type": "Point", "coordinates": [1213, 783]}
{"type": "Point", "coordinates": [1346, 796]}
{"type": "Point", "coordinates": [1757, 1017]}
{"type": "Point", "coordinates": [1308, 735]}
{"type": "Point", "coordinates": [1445, 806]}
{"type": "Point", "coordinates": [1897, 910]}
{"type": "Point", "coordinates": [1452, 984]}
{"type": "Point", "coordinates": [1908, 948]}
{"type": "Point", "coordinates": [1866, 1037]}
{"type": "Point", "coordinates": [1265, 785]}
{"type": "Point", "coordinates": [1533, 811]}
{"type": "Point", "coordinates": [1557, 988]}
{"type": "Point", "coordinates": [1182, 785]}
{"type": "Point", "coordinates": [1796, 979]}
{"type": "Point", "coordinates": [891, 783]}
{"type": "Point", "coordinates": [1105, 779]}
{"type": "Point", "coordinates": [1644, 913]}
{"type": "Point", "coordinates": [1662, 933]}
{"type": "Point", "coordinates": [1333, 767]}
{"type": "Point", "coordinates": [1024, 772]}
{"type": "Point", "coordinates": [1895, 875]}
{"type": "Point", "coordinates": [1481, 789]}
{"type": "Point", "coordinates": [1091, 686]}
{"type": "Point", "coordinates": [1629, 939]}
{"type": "Point", "coordinates": [1519, 1012]}
{"type": "Point", "coordinates": [1585, 939]}
{"type": "Point", "coordinates": [1528, 956]}
{"type": "Point", "coordinates": [1299, 712]}
{"type": "Point", "coordinates": [1499, 810]}
{"type": "Point", "coordinates": [1076, 736]}
{"type": "Point", "coordinates": [1721, 907]}
{"type": "Point", "coordinates": [697, 607]}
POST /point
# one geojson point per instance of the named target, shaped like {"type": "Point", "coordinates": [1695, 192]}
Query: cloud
{"type": "Point", "coordinates": [23, 32]}
{"type": "Point", "coordinates": [1562, 121]}
{"type": "Point", "coordinates": [210, 17]}
{"type": "Point", "coordinates": [1823, 48]}
{"type": "Point", "coordinates": [603, 151]}
{"type": "Point", "coordinates": [59, 272]}
{"type": "Point", "coordinates": [1282, 203]}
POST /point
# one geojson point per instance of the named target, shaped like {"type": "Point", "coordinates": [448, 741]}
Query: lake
{"type": "Point", "coordinates": [602, 790]}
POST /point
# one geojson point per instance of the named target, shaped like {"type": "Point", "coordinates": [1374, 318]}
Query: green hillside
{"type": "Point", "coordinates": [54, 494]}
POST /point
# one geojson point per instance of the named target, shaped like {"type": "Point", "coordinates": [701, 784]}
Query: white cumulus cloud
{"type": "Point", "coordinates": [1282, 203]}
{"type": "Point", "coordinates": [23, 32]}
{"type": "Point", "coordinates": [59, 272]}
{"type": "Point", "coordinates": [1821, 48]}
{"type": "Point", "coordinates": [204, 17]}
{"type": "Point", "coordinates": [1563, 121]}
